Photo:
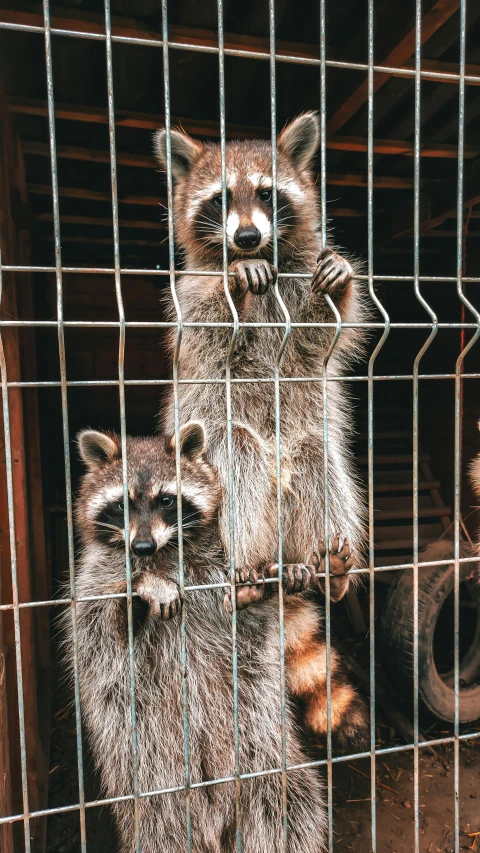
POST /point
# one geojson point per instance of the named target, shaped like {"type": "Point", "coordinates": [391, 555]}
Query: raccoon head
{"type": "Point", "coordinates": [196, 169]}
{"type": "Point", "coordinates": [152, 490]}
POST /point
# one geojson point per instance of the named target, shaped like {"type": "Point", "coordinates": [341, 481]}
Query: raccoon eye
{"type": "Point", "coordinates": [167, 501]}
{"type": "Point", "coordinates": [265, 196]}
{"type": "Point", "coordinates": [217, 200]}
{"type": "Point", "coordinates": [121, 506]}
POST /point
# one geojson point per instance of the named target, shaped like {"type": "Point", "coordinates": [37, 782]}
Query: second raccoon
{"type": "Point", "coordinates": [104, 662]}
{"type": "Point", "coordinates": [203, 354]}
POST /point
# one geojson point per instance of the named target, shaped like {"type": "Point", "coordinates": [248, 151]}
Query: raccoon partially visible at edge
{"type": "Point", "coordinates": [104, 667]}
{"type": "Point", "coordinates": [196, 170]}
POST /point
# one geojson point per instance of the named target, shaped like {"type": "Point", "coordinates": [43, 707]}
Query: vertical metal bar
{"type": "Point", "coordinates": [228, 396]}
{"type": "Point", "coordinates": [278, 444]}
{"type": "Point", "coordinates": [323, 226]}
{"type": "Point", "coordinates": [176, 356]}
{"type": "Point", "coordinates": [371, 365]}
{"type": "Point", "coordinates": [415, 424]}
{"type": "Point", "coordinates": [416, 273]}
{"type": "Point", "coordinates": [16, 611]}
{"type": "Point", "coordinates": [123, 426]}
{"type": "Point", "coordinates": [66, 435]}
{"type": "Point", "coordinates": [458, 436]}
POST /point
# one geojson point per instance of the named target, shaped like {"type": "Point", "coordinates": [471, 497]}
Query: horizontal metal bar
{"type": "Point", "coordinates": [291, 59]}
{"type": "Point", "coordinates": [258, 774]}
{"type": "Point", "coordinates": [113, 383]}
{"type": "Point", "coordinates": [434, 279]}
{"type": "Point", "coordinates": [226, 585]}
{"type": "Point", "coordinates": [165, 324]}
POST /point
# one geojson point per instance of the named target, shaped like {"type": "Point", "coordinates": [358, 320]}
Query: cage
{"type": "Point", "coordinates": [86, 258]}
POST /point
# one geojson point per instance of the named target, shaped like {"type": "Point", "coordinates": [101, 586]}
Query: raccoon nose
{"type": "Point", "coordinates": [143, 547]}
{"type": "Point", "coordinates": [248, 237]}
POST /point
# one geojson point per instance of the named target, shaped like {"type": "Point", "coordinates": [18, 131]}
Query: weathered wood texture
{"type": "Point", "coordinates": [32, 570]}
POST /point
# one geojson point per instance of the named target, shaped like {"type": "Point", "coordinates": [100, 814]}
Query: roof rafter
{"type": "Point", "coordinates": [97, 115]}
{"type": "Point", "coordinates": [439, 13]}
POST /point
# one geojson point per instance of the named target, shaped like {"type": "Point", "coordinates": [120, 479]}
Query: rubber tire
{"type": "Point", "coordinates": [435, 583]}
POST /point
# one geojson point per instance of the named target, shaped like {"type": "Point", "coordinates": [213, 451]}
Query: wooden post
{"type": "Point", "coordinates": [33, 581]}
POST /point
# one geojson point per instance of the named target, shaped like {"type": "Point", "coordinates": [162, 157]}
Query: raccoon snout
{"type": "Point", "coordinates": [248, 237]}
{"type": "Point", "coordinates": [143, 547]}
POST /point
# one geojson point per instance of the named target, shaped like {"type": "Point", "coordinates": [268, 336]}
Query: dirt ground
{"type": "Point", "coordinates": [351, 783]}
{"type": "Point", "coordinates": [395, 796]}
{"type": "Point", "coordinates": [351, 797]}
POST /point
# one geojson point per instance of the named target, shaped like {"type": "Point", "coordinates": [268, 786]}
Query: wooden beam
{"type": "Point", "coordinates": [439, 66]}
{"type": "Point", "coordinates": [97, 195]}
{"type": "Point", "coordinates": [346, 213]}
{"type": "Point", "coordinates": [379, 181]}
{"type": "Point", "coordinates": [396, 147]}
{"type": "Point", "coordinates": [102, 221]}
{"type": "Point", "coordinates": [73, 112]}
{"type": "Point", "coordinates": [104, 241]}
{"type": "Point", "coordinates": [91, 155]}
{"type": "Point", "coordinates": [90, 22]}
{"type": "Point", "coordinates": [72, 152]}
{"type": "Point", "coordinates": [6, 830]}
{"type": "Point", "coordinates": [443, 202]}
{"type": "Point", "coordinates": [131, 118]}
{"type": "Point", "coordinates": [32, 567]}
{"type": "Point", "coordinates": [81, 21]}
{"type": "Point", "coordinates": [439, 13]}
{"type": "Point", "coordinates": [452, 233]}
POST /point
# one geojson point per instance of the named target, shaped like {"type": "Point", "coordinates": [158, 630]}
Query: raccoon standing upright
{"type": "Point", "coordinates": [104, 663]}
{"type": "Point", "coordinates": [203, 354]}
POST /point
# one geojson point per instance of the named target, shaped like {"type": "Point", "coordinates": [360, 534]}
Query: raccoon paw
{"type": "Point", "coordinates": [255, 275]}
{"type": "Point", "coordinates": [257, 591]}
{"type": "Point", "coordinates": [296, 578]}
{"type": "Point", "coordinates": [332, 275]}
{"type": "Point", "coordinates": [162, 596]}
{"type": "Point", "coordinates": [341, 561]}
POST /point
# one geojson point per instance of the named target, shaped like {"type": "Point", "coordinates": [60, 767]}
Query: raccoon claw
{"type": "Point", "coordinates": [162, 596]}
{"type": "Point", "coordinates": [255, 275]}
{"type": "Point", "coordinates": [296, 577]}
{"type": "Point", "coordinates": [333, 273]}
{"type": "Point", "coordinates": [341, 561]}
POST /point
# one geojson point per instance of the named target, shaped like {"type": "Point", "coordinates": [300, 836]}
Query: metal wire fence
{"type": "Point", "coordinates": [381, 327]}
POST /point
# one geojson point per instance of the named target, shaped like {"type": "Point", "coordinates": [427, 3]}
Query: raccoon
{"type": "Point", "coordinates": [104, 668]}
{"type": "Point", "coordinates": [203, 354]}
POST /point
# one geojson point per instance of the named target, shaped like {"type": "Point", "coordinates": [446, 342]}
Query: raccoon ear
{"type": "Point", "coordinates": [193, 440]}
{"type": "Point", "coordinates": [97, 448]}
{"type": "Point", "coordinates": [184, 151]}
{"type": "Point", "coordinates": [299, 139]}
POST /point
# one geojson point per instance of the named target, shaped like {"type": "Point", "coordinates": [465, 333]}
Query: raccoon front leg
{"type": "Point", "coordinates": [255, 275]}
{"type": "Point", "coordinates": [304, 510]}
{"type": "Point", "coordinates": [333, 275]}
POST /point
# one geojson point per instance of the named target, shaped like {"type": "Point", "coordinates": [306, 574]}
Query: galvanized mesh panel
{"type": "Point", "coordinates": [382, 326]}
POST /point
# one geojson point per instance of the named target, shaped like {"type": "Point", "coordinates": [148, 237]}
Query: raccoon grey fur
{"type": "Point", "coordinates": [203, 351]}
{"type": "Point", "coordinates": [104, 661]}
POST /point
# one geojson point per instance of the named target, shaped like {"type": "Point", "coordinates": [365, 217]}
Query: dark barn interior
{"type": "Point", "coordinates": [91, 352]}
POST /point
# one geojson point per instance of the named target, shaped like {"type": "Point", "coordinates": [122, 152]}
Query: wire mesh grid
{"type": "Point", "coordinates": [431, 325]}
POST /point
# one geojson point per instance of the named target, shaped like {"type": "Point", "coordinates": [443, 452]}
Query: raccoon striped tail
{"type": "Point", "coordinates": [306, 670]}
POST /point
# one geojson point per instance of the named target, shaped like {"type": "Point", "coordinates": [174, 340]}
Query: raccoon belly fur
{"type": "Point", "coordinates": [105, 699]}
